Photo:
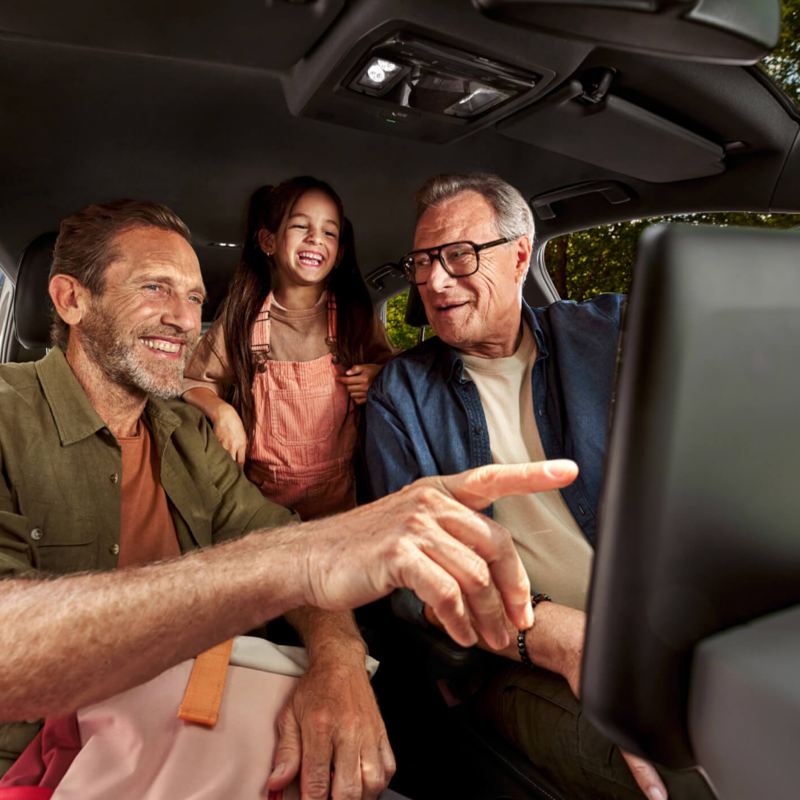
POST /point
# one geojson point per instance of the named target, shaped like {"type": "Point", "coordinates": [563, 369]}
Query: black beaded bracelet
{"type": "Point", "coordinates": [537, 598]}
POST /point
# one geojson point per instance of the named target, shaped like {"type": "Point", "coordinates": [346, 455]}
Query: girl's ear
{"type": "Point", "coordinates": [266, 241]}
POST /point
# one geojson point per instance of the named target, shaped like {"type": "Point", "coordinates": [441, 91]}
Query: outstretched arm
{"type": "Point", "coordinates": [106, 632]}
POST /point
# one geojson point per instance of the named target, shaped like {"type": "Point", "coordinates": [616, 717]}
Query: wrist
{"type": "Point", "coordinates": [345, 656]}
{"type": "Point", "coordinates": [555, 642]}
{"type": "Point", "coordinates": [217, 409]}
{"type": "Point", "coordinates": [522, 635]}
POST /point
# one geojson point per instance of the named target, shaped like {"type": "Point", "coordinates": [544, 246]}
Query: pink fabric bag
{"type": "Point", "coordinates": [134, 746]}
{"type": "Point", "coordinates": [156, 756]}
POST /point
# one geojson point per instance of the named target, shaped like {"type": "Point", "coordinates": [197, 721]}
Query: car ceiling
{"type": "Point", "coordinates": [195, 103]}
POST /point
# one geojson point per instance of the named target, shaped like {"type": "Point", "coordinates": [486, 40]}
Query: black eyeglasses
{"type": "Point", "coordinates": [459, 259]}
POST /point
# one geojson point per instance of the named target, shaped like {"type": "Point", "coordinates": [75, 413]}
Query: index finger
{"type": "Point", "coordinates": [479, 487]}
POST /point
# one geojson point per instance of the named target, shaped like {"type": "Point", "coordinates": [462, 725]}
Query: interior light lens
{"type": "Point", "coordinates": [379, 75]}
{"type": "Point", "coordinates": [380, 69]}
{"type": "Point", "coordinates": [413, 73]}
{"type": "Point", "coordinates": [478, 98]}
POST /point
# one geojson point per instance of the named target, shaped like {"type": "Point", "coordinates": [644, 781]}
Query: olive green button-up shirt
{"type": "Point", "coordinates": [60, 470]}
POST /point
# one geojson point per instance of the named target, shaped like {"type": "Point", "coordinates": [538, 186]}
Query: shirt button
{"type": "Point", "coordinates": [581, 509]}
{"type": "Point", "coordinates": [114, 477]}
{"type": "Point", "coordinates": [114, 549]}
{"type": "Point", "coordinates": [37, 534]}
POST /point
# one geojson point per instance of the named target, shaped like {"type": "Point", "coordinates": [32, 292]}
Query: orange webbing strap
{"type": "Point", "coordinates": [203, 694]}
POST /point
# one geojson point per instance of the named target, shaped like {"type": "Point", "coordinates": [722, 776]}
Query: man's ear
{"type": "Point", "coordinates": [266, 241]}
{"type": "Point", "coordinates": [524, 250]}
{"type": "Point", "coordinates": [70, 298]}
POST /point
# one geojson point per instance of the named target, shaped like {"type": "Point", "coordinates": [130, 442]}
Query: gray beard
{"type": "Point", "coordinates": [119, 362]}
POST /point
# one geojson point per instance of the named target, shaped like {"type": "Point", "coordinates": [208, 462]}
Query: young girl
{"type": "Point", "coordinates": [294, 350]}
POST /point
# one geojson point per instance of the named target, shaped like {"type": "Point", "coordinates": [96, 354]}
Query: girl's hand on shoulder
{"type": "Point", "coordinates": [229, 429]}
{"type": "Point", "coordinates": [358, 379]}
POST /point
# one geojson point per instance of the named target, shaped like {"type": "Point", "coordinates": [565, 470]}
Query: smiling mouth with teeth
{"type": "Point", "coordinates": [310, 259]}
{"type": "Point", "coordinates": [162, 346]}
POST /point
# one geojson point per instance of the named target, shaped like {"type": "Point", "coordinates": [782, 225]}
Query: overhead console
{"type": "Point", "coordinates": [419, 70]}
{"type": "Point", "coordinates": [723, 31]}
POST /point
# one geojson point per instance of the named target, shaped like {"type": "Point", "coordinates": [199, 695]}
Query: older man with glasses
{"type": "Point", "coordinates": [505, 383]}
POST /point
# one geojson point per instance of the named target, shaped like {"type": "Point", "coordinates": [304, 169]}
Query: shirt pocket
{"type": "Point", "coordinates": [61, 548]}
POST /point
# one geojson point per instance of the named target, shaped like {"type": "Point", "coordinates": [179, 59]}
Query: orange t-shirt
{"type": "Point", "coordinates": [147, 530]}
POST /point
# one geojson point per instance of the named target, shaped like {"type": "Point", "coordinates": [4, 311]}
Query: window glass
{"type": "Point", "coordinates": [401, 335]}
{"type": "Point", "coordinates": [783, 63]}
{"type": "Point", "coordinates": [601, 259]}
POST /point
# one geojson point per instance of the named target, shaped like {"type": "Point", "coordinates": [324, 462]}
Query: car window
{"type": "Point", "coordinates": [586, 263]}
{"type": "Point", "coordinates": [401, 335]}
{"type": "Point", "coordinates": [783, 63]}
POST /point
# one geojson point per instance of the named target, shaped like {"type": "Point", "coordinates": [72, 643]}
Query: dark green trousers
{"type": "Point", "coordinates": [536, 711]}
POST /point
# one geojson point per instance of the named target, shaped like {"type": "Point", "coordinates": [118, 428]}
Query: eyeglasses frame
{"type": "Point", "coordinates": [436, 253]}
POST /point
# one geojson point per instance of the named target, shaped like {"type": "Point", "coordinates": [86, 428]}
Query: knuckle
{"type": "Point", "coordinates": [350, 789]}
{"type": "Point", "coordinates": [479, 578]}
{"type": "Point", "coordinates": [432, 496]}
{"type": "Point", "coordinates": [320, 721]}
{"type": "Point", "coordinates": [374, 776]}
{"type": "Point", "coordinates": [316, 787]}
{"type": "Point", "coordinates": [417, 521]}
{"type": "Point", "coordinates": [449, 596]}
{"type": "Point", "coordinates": [427, 496]}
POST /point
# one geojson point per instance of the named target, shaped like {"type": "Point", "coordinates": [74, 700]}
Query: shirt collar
{"type": "Point", "coordinates": [532, 318]}
{"type": "Point", "coordinates": [75, 416]}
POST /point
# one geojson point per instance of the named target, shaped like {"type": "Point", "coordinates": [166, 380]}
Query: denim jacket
{"type": "Point", "coordinates": [424, 415]}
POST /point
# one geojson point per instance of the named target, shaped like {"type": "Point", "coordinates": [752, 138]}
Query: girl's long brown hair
{"type": "Point", "coordinates": [252, 281]}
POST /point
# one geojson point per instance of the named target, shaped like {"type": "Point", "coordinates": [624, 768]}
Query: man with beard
{"type": "Point", "coordinates": [100, 469]}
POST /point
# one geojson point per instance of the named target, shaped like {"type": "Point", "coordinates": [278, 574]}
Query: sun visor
{"type": "Point", "coordinates": [722, 31]}
{"type": "Point", "coordinates": [617, 135]}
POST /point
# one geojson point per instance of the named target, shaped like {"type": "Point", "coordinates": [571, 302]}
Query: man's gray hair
{"type": "Point", "coordinates": [512, 213]}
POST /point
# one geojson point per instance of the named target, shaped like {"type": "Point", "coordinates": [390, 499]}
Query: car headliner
{"type": "Point", "coordinates": [188, 103]}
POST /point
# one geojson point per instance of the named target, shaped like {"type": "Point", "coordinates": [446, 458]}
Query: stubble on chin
{"type": "Point", "coordinates": [122, 359]}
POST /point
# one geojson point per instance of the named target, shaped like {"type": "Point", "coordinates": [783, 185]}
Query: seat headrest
{"type": "Point", "coordinates": [415, 310]}
{"type": "Point", "coordinates": [32, 306]}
